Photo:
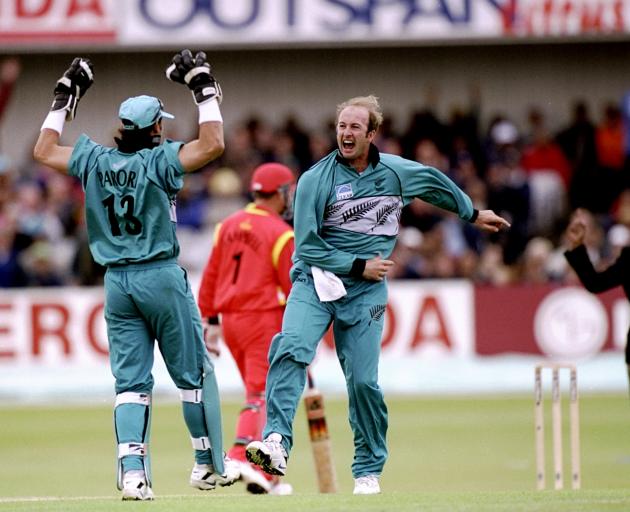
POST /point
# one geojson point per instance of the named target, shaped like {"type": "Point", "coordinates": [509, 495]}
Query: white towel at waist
{"type": "Point", "coordinates": [327, 285]}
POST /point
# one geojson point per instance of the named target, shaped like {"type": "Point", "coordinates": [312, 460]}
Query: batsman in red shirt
{"type": "Point", "coordinates": [246, 283]}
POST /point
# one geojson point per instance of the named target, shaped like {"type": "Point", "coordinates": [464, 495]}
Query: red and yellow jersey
{"type": "Point", "coordinates": [248, 269]}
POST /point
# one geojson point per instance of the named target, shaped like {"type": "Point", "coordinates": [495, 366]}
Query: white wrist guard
{"type": "Point", "coordinates": [209, 111]}
{"type": "Point", "coordinates": [55, 121]}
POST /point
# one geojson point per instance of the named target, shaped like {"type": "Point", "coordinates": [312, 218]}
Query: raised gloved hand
{"type": "Point", "coordinates": [71, 87]}
{"type": "Point", "coordinates": [196, 74]}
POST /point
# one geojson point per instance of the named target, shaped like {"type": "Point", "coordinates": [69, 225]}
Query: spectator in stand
{"type": "Point", "coordinates": [464, 132]}
{"type": "Point", "coordinates": [41, 265]}
{"type": "Point", "coordinates": [508, 190]}
{"type": "Point", "coordinates": [425, 124]}
{"type": "Point", "coordinates": [502, 136]}
{"type": "Point", "coordinates": [610, 145]}
{"type": "Point", "coordinates": [86, 272]}
{"type": "Point", "coordinates": [438, 262]}
{"type": "Point", "coordinates": [548, 175]}
{"type": "Point", "coordinates": [609, 138]}
{"type": "Point", "coordinates": [577, 141]}
{"type": "Point", "coordinates": [617, 237]}
{"type": "Point", "coordinates": [406, 255]}
{"type": "Point", "coordinates": [241, 154]}
{"type": "Point", "coordinates": [492, 268]}
{"type": "Point", "coordinates": [284, 151]}
{"type": "Point", "coordinates": [10, 69]}
{"type": "Point", "coordinates": [621, 210]}
{"type": "Point", "coordinates": [420, 215]}
{"type": "Point", "coordinates": [6, 186]}
{"type": "Point", "coordinates": [34, 220]}
{"type": "Point", "coordinates": [542, 153]}
{"type": "Point", "coordinates": [300, 143]}
{"type": "Point", "coordinates": [225, 191]}
{"type": "Point", "coordinates": [320, 145]}
{"type": "Point", "coordinates": [191, 203]}
{"type": "Point", "coordinates": [534, 261]}
{"type": "Point", "coordinates": [261, 135]}
{"type": "Point", "coordinates": [11, 272]}
{"type": "Point", "coordinates": [426, 152]}
{"type": "Point", "coordinates": [64, 201]}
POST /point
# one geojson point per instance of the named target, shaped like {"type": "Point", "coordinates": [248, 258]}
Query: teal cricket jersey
{"type": "Point", "coordinates": [129, 200]}
{"type": "Point", "coordinates": [341, 215]}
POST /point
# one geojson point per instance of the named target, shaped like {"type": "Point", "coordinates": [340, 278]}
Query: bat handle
{"type": "Point", "coordinates": [309, 378]}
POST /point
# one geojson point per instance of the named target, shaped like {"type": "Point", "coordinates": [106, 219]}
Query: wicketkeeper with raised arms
{"type": "Point", "coordinates": [130, 195]}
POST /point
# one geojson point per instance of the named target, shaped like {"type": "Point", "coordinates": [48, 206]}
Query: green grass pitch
{"type": "Point", "coordinates": [446, 454]}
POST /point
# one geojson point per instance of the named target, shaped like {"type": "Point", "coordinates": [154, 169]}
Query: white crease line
{"type": "Point", "coordinates": [84, 498]}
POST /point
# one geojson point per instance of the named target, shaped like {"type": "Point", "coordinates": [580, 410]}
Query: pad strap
{"type": "Point", "coordinates": [200, 443]}
{"type": "Point", "coordinates": [251, 407]}
{"type": "Point", "coordinates": [193, 396]}
{"type": "Point", "coordinates": [131, 397]}
{"type": "Point", "coordinates": [125, 449]}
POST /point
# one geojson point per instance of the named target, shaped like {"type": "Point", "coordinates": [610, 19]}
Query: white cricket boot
{"type": "Point", "coordinates": [269, 454]}
{"type": "Point", "coordinates": [255, 482]}
{"type": "Point", "coordinates": [204, 478]}
{"type": "Point", "coordinates": [367, 484]}
{"type": "Point", "coordinates": [135, 486]}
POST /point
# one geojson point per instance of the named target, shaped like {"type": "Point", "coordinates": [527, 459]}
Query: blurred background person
{"type": "Point", "coordinates": [597, 281]}
{"type": "Point", "coordinates": [244, 288]}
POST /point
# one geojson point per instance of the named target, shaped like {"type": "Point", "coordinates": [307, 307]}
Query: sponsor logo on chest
{"type": "Point", "coordinates": [343, 191]}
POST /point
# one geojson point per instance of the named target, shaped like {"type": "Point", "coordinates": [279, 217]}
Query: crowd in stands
{"type": "Point", "coordinates": [524, 172]}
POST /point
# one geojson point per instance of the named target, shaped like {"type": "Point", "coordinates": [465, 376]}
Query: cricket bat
{"type": "Point", "coordinates": [320, 439]}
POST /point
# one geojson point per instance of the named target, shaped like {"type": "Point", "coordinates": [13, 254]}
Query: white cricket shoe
{"type": "Point", "coordinates": [255, 482]}
{"type": "Point", "coordinates": [367, 484]}
{"type": "Point", "coordinates": [281, 489]}
{"type": "Point", "coordinates": [204, 478]}
{"type": "Point", "coordinates": [269, 454]}
{"type": "Point", "coordinates": [135, 487]}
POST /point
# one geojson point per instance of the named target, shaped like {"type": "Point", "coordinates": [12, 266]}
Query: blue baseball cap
{"type": "Point", "coordinates": [141, 111]}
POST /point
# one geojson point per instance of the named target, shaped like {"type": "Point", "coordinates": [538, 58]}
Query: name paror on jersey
{"type": "Point", "coordinates": [377, 215]}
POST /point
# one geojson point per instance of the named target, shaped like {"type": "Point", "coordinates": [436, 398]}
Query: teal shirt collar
{"type": "Point", "coordinates": [374, 157]}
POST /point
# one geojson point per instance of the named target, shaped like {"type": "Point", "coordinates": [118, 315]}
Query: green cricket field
{"type": "Point", "coordinates": [472, 453]}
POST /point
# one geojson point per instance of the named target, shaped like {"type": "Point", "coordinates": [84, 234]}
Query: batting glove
{"type": "Point", "coordinates": [196, 73]}
{"type": "Point", "coordinates": [71, 87]}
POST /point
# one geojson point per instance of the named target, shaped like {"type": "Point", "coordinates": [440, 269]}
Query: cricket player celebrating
{"type": "Point", "coordinates": [347, 208]}
{"type": "Point", "coordinates": [246, 281]}
{"type": "Point", "coordinates": [130, 210]}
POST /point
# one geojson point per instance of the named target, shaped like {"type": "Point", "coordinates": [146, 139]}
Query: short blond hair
{"type": "Point", "coordinates": [371, 104]}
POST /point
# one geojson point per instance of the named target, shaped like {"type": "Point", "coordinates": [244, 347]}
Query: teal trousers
{"type": "Point", "coordinates": [150, 302]}
{"type": "Point", "coordinates": [147, 302]}
{"type": "Point", "coordinates": [357, 321]}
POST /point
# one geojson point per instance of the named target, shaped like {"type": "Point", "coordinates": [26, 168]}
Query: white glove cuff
{"type": "Point", "coordinates": [209, 111]}
{"type": "Point", "coordinates": [55, 121]}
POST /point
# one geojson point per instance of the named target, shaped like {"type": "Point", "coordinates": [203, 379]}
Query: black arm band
{"type": "Point", "coordinates": [358, 266]}
{"type": "Point", "coordinates": [213, 320]}
{"type": "Point", "coordinates": [474, 216]}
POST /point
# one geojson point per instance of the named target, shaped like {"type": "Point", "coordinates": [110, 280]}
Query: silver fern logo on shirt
{"type": "Point", "coordinates": [373, 215]}
{"type": "Point", "coordinates": [343, 191]}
